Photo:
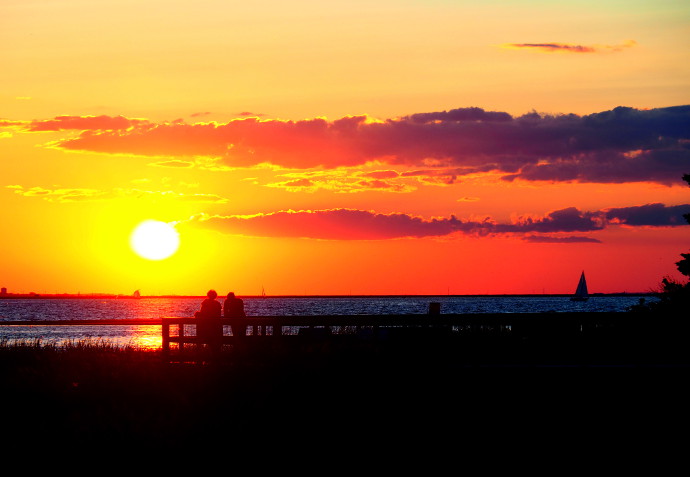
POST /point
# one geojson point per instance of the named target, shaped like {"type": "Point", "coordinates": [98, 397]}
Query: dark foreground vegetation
{"type": "Point", "coordinates": [322, 393]}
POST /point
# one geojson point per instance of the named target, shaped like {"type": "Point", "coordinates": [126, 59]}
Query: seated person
{"type": "Point", "coordinates": [233, 307]}
{"type": "Point", "coordinates": [209, 326]}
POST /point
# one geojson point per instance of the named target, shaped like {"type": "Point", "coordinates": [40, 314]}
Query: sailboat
{"type": "Point", "coordinates": [581, 293]}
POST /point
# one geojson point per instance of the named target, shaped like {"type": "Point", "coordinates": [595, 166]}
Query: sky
{"type": "Point", "coordinates": [344, 147]}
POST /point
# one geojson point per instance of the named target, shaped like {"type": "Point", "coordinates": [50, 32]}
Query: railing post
{"type": "Point", "coordinates": [180, 333]}
{"type": "Point", "coordinates": [165, 330]}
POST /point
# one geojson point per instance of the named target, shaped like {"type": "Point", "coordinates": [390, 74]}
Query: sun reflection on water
{"type": "Point", "coordinates": [146, 337]}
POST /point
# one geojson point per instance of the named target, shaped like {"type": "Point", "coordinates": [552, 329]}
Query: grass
{"type": "Point", "coordinates": [78, 390]}
{"type": "Point", "coordinates": [91, 393]}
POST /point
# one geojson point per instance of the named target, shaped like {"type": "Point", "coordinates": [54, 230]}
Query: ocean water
{"type": "Point", "coordinates": [148, 336]}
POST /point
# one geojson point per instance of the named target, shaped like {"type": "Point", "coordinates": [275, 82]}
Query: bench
{"type": "Point", "coordinates": [256, 327]}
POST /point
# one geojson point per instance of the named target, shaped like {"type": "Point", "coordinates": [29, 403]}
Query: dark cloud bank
{"type": "Point", "coordinates": [617, 146]}
{"type": "Point", "coordinates": [347, 224]}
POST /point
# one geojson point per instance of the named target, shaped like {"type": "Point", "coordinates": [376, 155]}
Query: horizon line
{"type": "Point", "coordinates": [326, 295]}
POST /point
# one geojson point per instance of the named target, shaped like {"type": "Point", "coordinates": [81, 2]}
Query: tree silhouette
{"type": "Point", "coordinates": [684, 265]}
{"type": "Point", "coordinates": [673, 296]}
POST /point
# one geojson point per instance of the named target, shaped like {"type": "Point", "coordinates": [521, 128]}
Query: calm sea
{"type": "Point", "coordinates": [46, 310]}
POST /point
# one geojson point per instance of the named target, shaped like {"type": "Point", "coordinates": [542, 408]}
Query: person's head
{"type": "Point", "coordinates": [231, 295]}
{"type": "Point", "coordinates": [212, 294]}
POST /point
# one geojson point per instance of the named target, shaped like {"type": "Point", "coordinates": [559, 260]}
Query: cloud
{"type": "Point", "coordinates": [352, 224]}
{"type": "Point", "coordinates": [565, 220]}
{"type": "Point", "coordinates": [83, 123]}
{"type": "Point", "coordinates": [553, 47]}
{"type": "Point", "coordinates": [616, 146]}
{"type": "Point", "coordinates": [337, 224]}
{"type": "Point", "coordinates": [173, 164]}
{"type": "Point", "coordinates": [297, 185]}
{"type": "Point", "coordinates": [567, 48]}
{"type": "Point", "coordinates": [655, 215]}
{"type": "Point", "coordinates": [205, 198]}
{"type": "Point", "coordinates": [551, 239]}
{"type": "Point", "coordinates": [445, 176]}
{"type": "Point", "coordinates": [461, 114]}
{"type": "Point", "coordinates": [11, 123]}
{"type": "Point", "coordinates": [384, 185]}
{"type": "Point", "coordinates": [63, 195]}
{"type": "Point", "coordinates": [388, 174]}
{"type": "Point", "coordinates": [341, 181]}
{"type": "Point", "coordinates": [250, 114]}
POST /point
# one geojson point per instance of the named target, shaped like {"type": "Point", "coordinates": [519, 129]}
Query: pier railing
{"type": "Point", "coordinates": [516, 325]}
{"type": "Point", "coordinates": [412, 327]}
{"type": "Point", "coordinates": [277, 325]}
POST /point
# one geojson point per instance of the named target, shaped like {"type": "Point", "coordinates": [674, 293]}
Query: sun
{"type": "Point", "coordinates": [154, 240]}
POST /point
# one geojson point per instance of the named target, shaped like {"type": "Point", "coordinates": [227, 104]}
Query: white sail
{"type": "Point", "coordinates": [581, 293]}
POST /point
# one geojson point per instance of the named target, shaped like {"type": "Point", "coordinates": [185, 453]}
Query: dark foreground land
{"type": "Point", "coordinates": [316, 394]}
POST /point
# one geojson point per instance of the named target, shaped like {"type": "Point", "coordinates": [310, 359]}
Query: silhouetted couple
{"type": "Point", "coordinates": [209, 327]}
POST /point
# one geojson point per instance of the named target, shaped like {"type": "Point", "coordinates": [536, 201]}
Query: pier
{"type": "Point", "coordinates": [506, 337]}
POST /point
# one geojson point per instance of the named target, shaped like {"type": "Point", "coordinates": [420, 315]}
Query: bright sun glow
{"type": "Point", "coordinates": [154, 240]}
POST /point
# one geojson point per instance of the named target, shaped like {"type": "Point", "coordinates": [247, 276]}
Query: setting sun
{"type": "Point", "coordinates": [343, 148]}
{"type": "Point", "coordinates": [154, 240]}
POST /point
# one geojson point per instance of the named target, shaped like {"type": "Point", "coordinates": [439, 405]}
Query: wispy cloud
{"type": "Point", "coordinates": [552, 239]}
{"type": "Point", "coordinates": [85, 123]}
{"type": "Point", "coordinates": [569, 48]}
{"type": "Point", "coordinates": [64, 194]}
{"type": "Point", "coordinates": [5, 123]}
{"type": "Point", "coordinates": [173, 164]}
{"type": "Point", "coordinates": [343, 180]}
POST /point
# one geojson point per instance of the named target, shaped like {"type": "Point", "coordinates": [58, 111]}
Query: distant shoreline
{"type": "Point", "coordinates": [130, 297]}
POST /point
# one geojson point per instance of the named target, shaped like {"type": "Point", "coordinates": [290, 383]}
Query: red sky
{"type": "Point", "coordinates": [344, 148]}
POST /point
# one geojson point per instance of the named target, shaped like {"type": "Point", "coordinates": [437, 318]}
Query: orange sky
{"type": "Point", "coordinates": [390, 147]}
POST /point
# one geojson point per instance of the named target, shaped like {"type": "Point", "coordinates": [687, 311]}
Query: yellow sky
{"type": "Point", "coordinates": [170, 59]}
{"type": "Point", "coordinates": [68, 211]}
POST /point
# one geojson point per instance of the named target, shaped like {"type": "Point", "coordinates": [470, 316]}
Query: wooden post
{"type": "Point", "coordinates": [165, 329]}
{"type": "Point", "coordinates": [434, 308]}
{"type": "Point", "coordinates": [180, 333]}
